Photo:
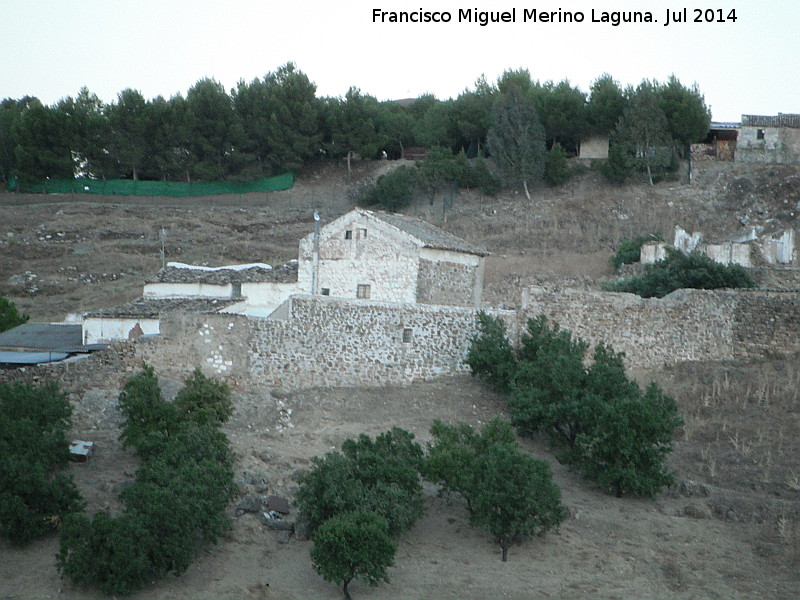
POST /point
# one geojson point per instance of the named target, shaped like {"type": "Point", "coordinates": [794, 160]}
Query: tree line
{"type": "Point", "coordinates": [277, 123]}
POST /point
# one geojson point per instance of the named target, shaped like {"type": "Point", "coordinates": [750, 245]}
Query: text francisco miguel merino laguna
{"type": "Point", "coordinates": [614, 18]}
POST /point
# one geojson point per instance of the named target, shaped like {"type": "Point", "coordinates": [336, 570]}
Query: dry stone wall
{"type": "Point", "coordinates": [686, 325]}
{"type": "Point", "coordinates": [321, 341]}
{"type": "Point", "coordinates": [766, 324]}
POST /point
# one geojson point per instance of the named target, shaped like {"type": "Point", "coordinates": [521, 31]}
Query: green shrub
{"type": "Point", "coordinates": [34, 495]}
{"type": "Point", "coordinates": [392, 191]}
{"type": "Point", "coordinates": [629, 250]}
{"type": "Point", "coordinates": [490, 355]}
{"type": "Point", "coordinates": [9, 316]}
{"type": "Point", "coordinates": [597, 418]}
{"type": "Point", "coordinates": [378, 475]}
{"type": "Point", "coordinates": [679, 270]}
{"type": "Point", "coordinates": [556, 169]}
{"type": "Point", "coordinates": [507, 492]}
{"type": "Point", "coordinates": [177, 502]}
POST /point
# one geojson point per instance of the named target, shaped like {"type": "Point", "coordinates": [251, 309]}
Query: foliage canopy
{"type": "Point", "coordinates": [679, 270]}
{"type": "Point", "coordinates": [34, 494]}
{"type": "Point", "coordinates": [597, 418]}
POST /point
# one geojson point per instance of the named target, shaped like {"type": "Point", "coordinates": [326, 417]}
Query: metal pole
{"type": "Point", "coordinates": [315, 257]}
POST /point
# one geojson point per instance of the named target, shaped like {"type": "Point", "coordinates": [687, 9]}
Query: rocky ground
{"type": "Point", "coordinates": [731, 529]}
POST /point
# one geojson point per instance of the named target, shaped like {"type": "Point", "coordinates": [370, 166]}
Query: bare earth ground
{"type": "Point", "coordinates": [732, 530]}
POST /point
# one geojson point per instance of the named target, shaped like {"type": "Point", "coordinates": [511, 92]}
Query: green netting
{"type": "Point", "coordinates": [124, 187]}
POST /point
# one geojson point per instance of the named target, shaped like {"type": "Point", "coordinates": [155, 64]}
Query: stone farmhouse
{"type": "Point", "coordinates": [391, 258]}
{"type": "Point", "coordinates": [769, 139]}
{"type": "Point", "coordinates": [363, 255]}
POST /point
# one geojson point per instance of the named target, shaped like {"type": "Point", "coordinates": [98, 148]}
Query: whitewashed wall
{"type": "Point", "coordinates": [99, 330]}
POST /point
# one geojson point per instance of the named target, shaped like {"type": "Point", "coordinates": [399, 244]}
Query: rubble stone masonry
{"type": "Point", "coordinates": [324, 341]}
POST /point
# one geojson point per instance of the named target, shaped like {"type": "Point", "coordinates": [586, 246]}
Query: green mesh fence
{"type": "Point", "coordinates": [124, 187]}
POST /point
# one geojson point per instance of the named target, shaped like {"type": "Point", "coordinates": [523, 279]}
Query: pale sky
{"type": "Point", "coordinates": [51, 48]}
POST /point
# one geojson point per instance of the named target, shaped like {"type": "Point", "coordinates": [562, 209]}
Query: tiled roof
{"type": "Point", "coordinates": [781, 120]}
{"type": "Point", "coordinates": [281, 274]}
{"type": "Point", "coordinates": [430, 235]}
{"type": "Point", "coordinates": [152, 308]}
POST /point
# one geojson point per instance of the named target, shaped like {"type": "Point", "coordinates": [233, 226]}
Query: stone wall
{"type": "Point", "coordinates": [778, 145]}
{"type": "Point", "coordinates": [776, 278]}
{"type": "Point", "coordinates": [323, 341]}
{"type": "Point", "coordinates": [766, 324]}
{"type": "Point", "coordinates": [106, 369]}
{"type": "Point", "coordinates": [445, 283]}
{"type": "Point", "coordinates": [686, 325]}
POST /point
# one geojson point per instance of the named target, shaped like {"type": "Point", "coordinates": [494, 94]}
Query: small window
{"type": "Point", "coordinates": [760, 134]}
{"type": "Point", "coordinates": [362, 234]}
{"type": "Point", "coordinates": [236, 289]}
{"type": "Point", "coordinates": [348, 234]}
{"type": "Point", "coordinates": [326, 291]}
{"type": "Point", "coordinates": [362, 292]}
{"type": "Point", "coordinates": [406, 335]}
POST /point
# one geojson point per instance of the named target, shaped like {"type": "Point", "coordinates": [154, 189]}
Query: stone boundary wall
{"type": "Point", "coordinates": [322, 341]}
{"type": "Point", "coordinates": [686, 325]}
{"type": "Point", "coordinates": [106, 369]}
{"type": "Point", "coordinates": [766, 323]}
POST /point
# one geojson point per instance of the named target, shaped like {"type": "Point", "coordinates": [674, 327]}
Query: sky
{"type": "Point", "coordinates": [51, 48]}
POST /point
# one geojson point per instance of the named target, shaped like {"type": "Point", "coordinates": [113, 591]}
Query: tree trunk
{"type": "Point", "coordinates": [504, 545]}
{"type": "Point", "coordinates": [525, 185]}
{"type": "Point", "coordinates": [649, 174]}
{"type": "Point", "coordinates": [688, 152]}
{"type": "Point", "coordinates": [344, 589]}
{"type": "Point", "coordinates": [349, 168]}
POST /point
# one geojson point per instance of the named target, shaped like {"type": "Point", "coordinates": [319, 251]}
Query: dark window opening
{"type": "Point", "coordinates": [326, 291]}
{"type": "Point", "coordinates": [348, 235]}
{"type": "Point", "coordinates": [362, 233]}
{"type": "Point", "coordinates": [406, 336]}
{"type": "Point", "coordinates": [236, 289]}
{"type": "Point", "coordinates": [362, 292]}
{"type": "Point", "coordinates": [760, 134]}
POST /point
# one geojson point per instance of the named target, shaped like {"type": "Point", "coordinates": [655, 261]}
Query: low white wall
{"type": "Point", "coordinates": [186, 290]}
{"type": "Point", "coordinates": [97, 330]}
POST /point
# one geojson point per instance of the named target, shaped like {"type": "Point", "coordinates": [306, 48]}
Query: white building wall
{"type": "Point", "coordinates": [186, 290]}
{"type": "Point", "coordinates": [268, 293]}
{"type": "Point", "coordinates": [98, 330]}
{"type": "Point", "coordinates": [376, 254]}
{"type": "Point", "coordinates": [728, 253]}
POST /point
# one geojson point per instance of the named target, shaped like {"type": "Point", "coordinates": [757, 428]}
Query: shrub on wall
{"type": "Point", "coordinates": [679, 270]}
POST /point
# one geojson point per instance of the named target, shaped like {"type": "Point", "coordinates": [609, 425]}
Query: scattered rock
{"type": "Point", "coordinates": [277, 524]}
{"type": "Point", "coordinates": [691, 488]}
{"type": "Point", "coordinates": [251, 503]}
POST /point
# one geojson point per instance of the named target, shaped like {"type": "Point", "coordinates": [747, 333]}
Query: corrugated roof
{"type": "Point", "coordinates": [779, 120]}
{"type": "Point", "coordinates": [281, 274]}
{"type": "Point", "coordinates": [65, 337]}
{"type": "Point", "coordinates": [149, 308]}
{"type": "Point", "coordinates": [430, 235]}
